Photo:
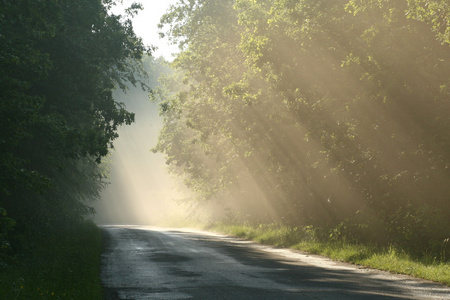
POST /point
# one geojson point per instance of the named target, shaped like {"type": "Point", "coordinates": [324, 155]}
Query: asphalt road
{"type": "Point", "coordinates": [156, 263]}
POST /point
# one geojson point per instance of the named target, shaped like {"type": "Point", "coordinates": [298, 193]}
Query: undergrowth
{"type": "Point", "coordinates": [59, 265]}
{"type": "Point", "coordinates": [305, 239]}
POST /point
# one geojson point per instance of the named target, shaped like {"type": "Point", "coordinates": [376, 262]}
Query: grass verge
{"type": "Point", "coordinates": [61, 265]}
{"type": "Point", "coordinates": [388, 259]}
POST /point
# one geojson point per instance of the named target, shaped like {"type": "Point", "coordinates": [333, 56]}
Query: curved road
{"type": "Point", "coordinates": [155, 263]}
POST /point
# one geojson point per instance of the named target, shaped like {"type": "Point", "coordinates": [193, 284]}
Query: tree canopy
{"type": "Point", "coordinates": [59, 63]}
{"type": "Point", "coordinates": [310, 112]}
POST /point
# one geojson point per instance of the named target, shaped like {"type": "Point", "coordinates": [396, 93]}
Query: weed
{"type": "Point", "coordinates": [305, 238]}
{"type": "Point", "coordinates": [61, 265]}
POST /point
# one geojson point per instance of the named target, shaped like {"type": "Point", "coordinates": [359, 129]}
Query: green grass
{"type": "Point", "coordinates": [57, 266]}
{"type": "Point", "coordinates": [388, 259]}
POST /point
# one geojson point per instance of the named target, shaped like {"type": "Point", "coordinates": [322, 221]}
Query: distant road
{"type": "Point", "coordinates": [162, 263]}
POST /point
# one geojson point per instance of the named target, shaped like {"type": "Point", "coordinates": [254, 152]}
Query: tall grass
{"type": "Point", "coordinates": [61, 265]}
{"type": "Point", "coordinates": [306, 239]}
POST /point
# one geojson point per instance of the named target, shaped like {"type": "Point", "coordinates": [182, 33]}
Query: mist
{"type": "Point", "coordinates": [140, 189]}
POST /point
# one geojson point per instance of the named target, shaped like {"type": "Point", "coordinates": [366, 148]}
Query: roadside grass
{"type": "Point", "coordinates": [389, 259]}
{"type": "Point", "coordinates": [62, 265]}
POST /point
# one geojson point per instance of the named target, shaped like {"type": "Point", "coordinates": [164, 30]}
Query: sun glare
{"type": "Point", "coordinates": [145, 25]}
{"type": "Point", "coordinates": [141, 191]}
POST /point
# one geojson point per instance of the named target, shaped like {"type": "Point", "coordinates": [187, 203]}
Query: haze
{"type": "Point", "coordinates": [321, 127]}
{"type": "Point", "coordinates": [140, 191]}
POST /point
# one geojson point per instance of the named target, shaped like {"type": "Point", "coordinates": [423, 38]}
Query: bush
{"type": "Point", "coordinates": [61, 265]}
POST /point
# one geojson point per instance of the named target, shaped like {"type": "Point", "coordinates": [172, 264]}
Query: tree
{"type": "Point", "coordinates": [59, 63]}
{"type": "Point", "coordinates": [330, 113]}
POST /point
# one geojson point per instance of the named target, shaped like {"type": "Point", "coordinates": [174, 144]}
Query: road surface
{"type": "Point", "coordinates": [156, 263]}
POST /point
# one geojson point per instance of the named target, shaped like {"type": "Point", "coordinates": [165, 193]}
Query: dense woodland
{"type": "Point", "coordinates": [328, 114]}
{"type": "Point", "coordinates": [59, 64]}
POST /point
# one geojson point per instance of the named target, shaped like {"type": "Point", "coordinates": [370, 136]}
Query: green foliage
{"type": "Point", "coordinates": [435, 13]}
{"type": "Point", "coordinates": [325, 113]}
{"type": "Point", "coordinates": [62, 265]}
{"type": "Point", "coordinates": [59, 63]}
{"type": "Point", "coordinates": [272, 234]}
{"type": "Point", "coordinates": [6, 225]}
{"type": "Point", "coordinates": [310, 239]}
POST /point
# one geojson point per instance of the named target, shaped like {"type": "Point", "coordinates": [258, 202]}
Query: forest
{"type": "Point", "coordinates": [59, 64]}
{"type": "Point", "coordinates": [333, 115]}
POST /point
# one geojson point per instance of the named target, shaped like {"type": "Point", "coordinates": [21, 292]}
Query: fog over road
{"type": "Point", "coordinates": [161, 263]}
